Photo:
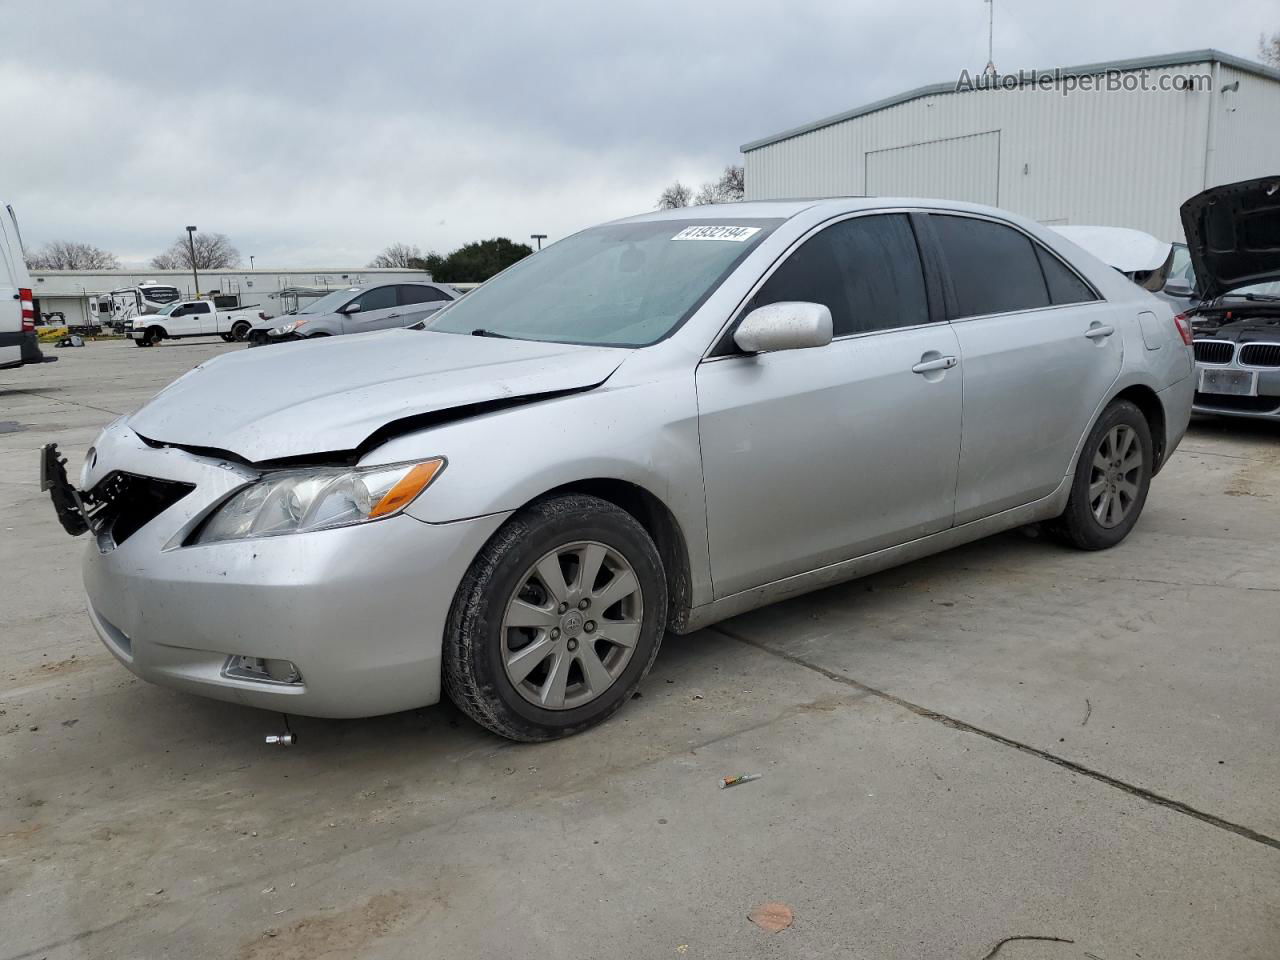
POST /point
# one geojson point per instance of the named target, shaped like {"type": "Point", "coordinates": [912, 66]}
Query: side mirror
{"type": "Point", "coordinates": [351, 308]}
{"type": "Point", "coordinates": [1176, 289]}
{"type": "Point", "coordinates": [784, 326]}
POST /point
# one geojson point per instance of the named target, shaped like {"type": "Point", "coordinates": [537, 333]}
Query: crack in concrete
{"type": "Point", "coordinates": [1140, 792]}
{"type": "Point", "coordinates": [70, 403]}
{"type": "Point", "coordinates": [996, 948]}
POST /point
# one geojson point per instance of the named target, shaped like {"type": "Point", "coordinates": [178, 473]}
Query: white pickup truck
{"type": "Point", "coordinates": [192, 318]}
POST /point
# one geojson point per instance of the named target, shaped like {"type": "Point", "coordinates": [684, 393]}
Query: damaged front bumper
{"type": "Point", "coordinates": [357, 614]}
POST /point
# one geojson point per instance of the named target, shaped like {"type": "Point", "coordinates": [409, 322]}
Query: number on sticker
{"type": "Point", "coordinates": [715, 232]}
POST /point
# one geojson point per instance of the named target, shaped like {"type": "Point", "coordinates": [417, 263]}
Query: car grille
{"type": "Point", "coordinates": [1260, 354]}
{"type": "Point", "coordinates": [1221, 401]}
{"type": "Point", "coordinates": [123, 503]}
{"type": "Point", "coordinates": [1213, 351]}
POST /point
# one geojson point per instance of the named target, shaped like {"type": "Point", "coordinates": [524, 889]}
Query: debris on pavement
{"type": "Point", "coordinates": [771, 917]}
{"type": "Point", "coordinates": [739, 778]}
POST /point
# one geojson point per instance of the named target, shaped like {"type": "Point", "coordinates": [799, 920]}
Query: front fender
{"type": "Point", "coordinates": [645, 434]}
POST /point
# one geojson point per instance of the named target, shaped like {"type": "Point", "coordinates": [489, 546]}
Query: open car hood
{"type": "Point", "coordinates": [332, 394]}
{"type": "Point", "coordinates": [1233, 235]}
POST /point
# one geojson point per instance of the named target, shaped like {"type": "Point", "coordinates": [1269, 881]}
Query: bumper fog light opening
{"type": "Point", "coordinates": [262, 670]}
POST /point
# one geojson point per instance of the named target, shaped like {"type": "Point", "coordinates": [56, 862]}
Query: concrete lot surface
{"type": "Point", "coordinates": [1012, 740]}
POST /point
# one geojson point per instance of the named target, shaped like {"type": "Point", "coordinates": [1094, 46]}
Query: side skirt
{"type": "Point", "coordinates": [1043, 509]}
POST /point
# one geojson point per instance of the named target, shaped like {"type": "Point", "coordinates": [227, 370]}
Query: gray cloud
{"type": "Point", "coordinates": [317, 133]}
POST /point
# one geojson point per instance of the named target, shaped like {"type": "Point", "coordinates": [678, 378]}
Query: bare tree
{"type": "Point", "coordinates": [728, 189]}
{"type": "Point", "coordinates": [69, 255]}
{"type": "Point", "coordinates": [213, 251]}
{"type": "Point", "coordinates": [675, 196]}
{"type": "Point", "coordinates": [398, 255]}
{"type": "Point", "coordinates": [1269, 49]}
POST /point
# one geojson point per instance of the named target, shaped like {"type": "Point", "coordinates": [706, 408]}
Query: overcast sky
{"type": "Point", "coordinates": [313, 134]}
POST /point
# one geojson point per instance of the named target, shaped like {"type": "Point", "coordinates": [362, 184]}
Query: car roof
{"type": "Point", "coordinates": [786, 209]}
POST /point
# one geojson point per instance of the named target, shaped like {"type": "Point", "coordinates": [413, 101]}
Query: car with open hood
{"type": "Point", "coordinates": [648, 426]}
{"type": "Point", "coordinates": [1233, 238]}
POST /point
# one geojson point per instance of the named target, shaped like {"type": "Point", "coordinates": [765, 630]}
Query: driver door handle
{"type": "Point", "coordinates": [1099, 331]}
{"type": "Point", "coordinates": [941, 363]}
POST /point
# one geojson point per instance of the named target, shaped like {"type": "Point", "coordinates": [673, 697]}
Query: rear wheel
{"type": "Point", "coordinates": [1112, 479]}
{"type": "Point", "coordinates": [557, 621]}
{"type": "Point", "coordinates": [240, 331]}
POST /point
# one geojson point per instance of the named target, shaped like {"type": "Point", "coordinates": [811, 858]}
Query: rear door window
{"type": "Point", "coordinates": [866, 270]}
{"type": "Point", "coordinates": [993, 268]}
{"type": "Point", "coordinates": [414, 293]}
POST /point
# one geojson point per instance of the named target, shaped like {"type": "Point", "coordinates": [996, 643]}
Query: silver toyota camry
{"type": "Point", "coordinates": [646, 427]}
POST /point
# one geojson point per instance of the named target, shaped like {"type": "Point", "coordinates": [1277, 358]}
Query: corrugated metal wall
{"type": "Point", "coordinates": [1117, 158]}
{"type": "Point", "coordinates": [1246, 141]}
{"type": "Point", "coordinates": [959, 168]}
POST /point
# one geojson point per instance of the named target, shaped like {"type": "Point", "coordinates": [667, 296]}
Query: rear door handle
{"type": "Point", "coordinates": [942, 363]}
{"type": "Point", "coordinates": [1099, 331]}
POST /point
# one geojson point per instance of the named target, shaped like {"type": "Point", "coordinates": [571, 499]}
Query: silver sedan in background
{"type": "Point", "coordinates": [379, 306]}
{"type": "Point", "coordinates": [649, 426]}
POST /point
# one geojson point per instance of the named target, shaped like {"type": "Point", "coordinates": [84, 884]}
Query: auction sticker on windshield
{"type": "Point", "coordinates": [711, 232]}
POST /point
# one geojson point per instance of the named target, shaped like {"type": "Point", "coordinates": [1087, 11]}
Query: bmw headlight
{"type": "Point", "coordinates": [294, 501]}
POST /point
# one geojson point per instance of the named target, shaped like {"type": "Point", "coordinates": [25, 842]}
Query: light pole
{"type": "Point", "coordinates": [251, 261]}
{"type": "Point", "coordinates": [539, 237]}
{"type": "Point", "coordinates": [191, 242]}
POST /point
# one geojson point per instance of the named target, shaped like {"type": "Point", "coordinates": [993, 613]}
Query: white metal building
{"type": "Point", "coordinates": [73, 293]}
{"type": "Point", "coordinates": [1116, 144]}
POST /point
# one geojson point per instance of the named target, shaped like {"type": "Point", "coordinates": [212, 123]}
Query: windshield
{"type": "Point", "coordinates": [620, 285]}
{"type": "Point", "coordinates": [330, 301]}
{"type": "Point", "coordinates": [168, 310]}
{"type": "Point", "coordinates": [1181, 270]}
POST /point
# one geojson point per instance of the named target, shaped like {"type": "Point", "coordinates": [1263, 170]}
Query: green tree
{"type": "Point", "coordinates": [475, 262]}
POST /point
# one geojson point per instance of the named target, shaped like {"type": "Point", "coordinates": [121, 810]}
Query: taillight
{"type": "Point", "coordinates": [262, 315]}
{"type": "Point", "coordinates": [28, 310]}
{"type": "Point", "coordinates": [1184, 327]}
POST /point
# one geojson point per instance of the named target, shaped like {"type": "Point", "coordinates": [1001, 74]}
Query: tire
{"type": "Point", "coordinates": [240, 332]}
{"type": "Point", "coordinates": [227, 338]}
{"type": "Point", "coordinates": [141, 342]}
{"type": "Point", "coordinates": [153, 336]}
{"type": "Point", "coordinates": [1106, 499]}
{"type": "Point", "coordinates": [480, 646]}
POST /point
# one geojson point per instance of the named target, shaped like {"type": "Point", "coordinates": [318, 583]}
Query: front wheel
{"type": "Point", "coordinates": [153, 336]}
{"type": "Point", "coordinates": [557, 621]}
{"type": "Point", "coordinates": [1112, 479]}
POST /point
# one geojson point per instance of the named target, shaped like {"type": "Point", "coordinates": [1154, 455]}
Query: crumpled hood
{"type": "Point", "coordinates": [1233, 235]}
{"type": "Point", "coordinates": [1129, 251]}
{"type": "Point", "coordinates": [331, 394]}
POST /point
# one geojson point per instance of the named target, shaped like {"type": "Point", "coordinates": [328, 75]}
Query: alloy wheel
{"type": "Point", "coordinates": [1116, 478]}
{"type": "Point", "coordinates": [572, 625]}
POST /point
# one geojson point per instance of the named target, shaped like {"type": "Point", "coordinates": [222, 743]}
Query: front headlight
{"type": "Point", "coordinates": [283, 330]}
{"type": "Point", "coordinates": [294, 501]}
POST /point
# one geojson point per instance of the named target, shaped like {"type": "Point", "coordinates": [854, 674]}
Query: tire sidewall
{"type": "Point", "coordinates": [480, 612]}
{"type": "Point", "coordinates": [1080, 515]}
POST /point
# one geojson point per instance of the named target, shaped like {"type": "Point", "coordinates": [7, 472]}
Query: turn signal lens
{"type": "Point", "coordinates": [402, 494]}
